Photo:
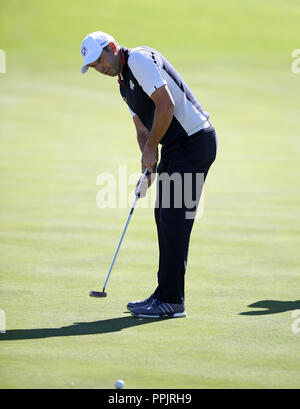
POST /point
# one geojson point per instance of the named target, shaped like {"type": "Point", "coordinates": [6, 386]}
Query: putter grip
{"type": "Point", "coordinates": [145, 174]}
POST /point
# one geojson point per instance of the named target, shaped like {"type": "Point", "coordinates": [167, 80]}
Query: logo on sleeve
{"type": "Point", "coordinates": [131, 84]}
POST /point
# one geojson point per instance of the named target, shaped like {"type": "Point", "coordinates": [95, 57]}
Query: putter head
{"type": "Point", "coordinates": [98, 294]}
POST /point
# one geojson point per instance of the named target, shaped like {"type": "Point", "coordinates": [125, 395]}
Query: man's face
{"type": "Point", "coordinates": [109, 62]}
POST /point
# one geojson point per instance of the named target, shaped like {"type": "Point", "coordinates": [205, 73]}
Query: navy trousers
{"type": "Point", "coordinates": [179, 186]}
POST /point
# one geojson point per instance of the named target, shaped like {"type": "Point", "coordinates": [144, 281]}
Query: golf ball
{"type": "Point", "coordinates": [119, 384]}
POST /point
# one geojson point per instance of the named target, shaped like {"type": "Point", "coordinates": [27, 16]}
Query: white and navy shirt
{"type": "Point", "coordinates": [145, 70]}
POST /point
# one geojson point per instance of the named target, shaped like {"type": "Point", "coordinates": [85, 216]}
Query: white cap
{"type": "Point", "coordinates": [92, 46]}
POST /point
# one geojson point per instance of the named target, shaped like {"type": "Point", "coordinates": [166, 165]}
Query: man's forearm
{"type": "Point", "coordinates": [162, 118]}
{"type": "Point", "coordinates": [142, 138]}
{"type": "Point", "coordinates": [161, 122]}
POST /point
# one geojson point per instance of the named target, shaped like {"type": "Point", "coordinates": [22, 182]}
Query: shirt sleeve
{"type": "Point", "coordinates": [147, 69]}
{"type": "Point", "coordinates": [132, 113]}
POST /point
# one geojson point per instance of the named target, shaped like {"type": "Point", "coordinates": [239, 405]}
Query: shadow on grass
{"type": "Point", "coordinates": [78, 328]}
{"type": "Point", "coordinates": [272, 307]}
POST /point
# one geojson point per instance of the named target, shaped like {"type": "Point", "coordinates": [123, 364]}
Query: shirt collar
{"type": "Point", "coordinates": [124, 58]}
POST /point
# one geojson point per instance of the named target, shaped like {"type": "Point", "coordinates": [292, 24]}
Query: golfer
{"type": "Point", "coordinates": [165, 112]}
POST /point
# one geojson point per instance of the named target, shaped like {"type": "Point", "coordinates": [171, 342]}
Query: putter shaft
{"type": "Point", "coordinates": [145, 174]}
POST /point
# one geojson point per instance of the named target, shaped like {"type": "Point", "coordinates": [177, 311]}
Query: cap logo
{"type": "Point", "coordinates": [84, 51]}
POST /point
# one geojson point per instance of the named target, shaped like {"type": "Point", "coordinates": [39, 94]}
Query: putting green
{"type": "Point", "coordinates": [59, 130]}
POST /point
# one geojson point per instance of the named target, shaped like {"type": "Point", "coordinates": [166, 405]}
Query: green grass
{"type": "Point", "coordinates": [60, 129]}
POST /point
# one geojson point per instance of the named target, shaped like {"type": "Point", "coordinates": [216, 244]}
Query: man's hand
{"type": "Point", "coordinates": [149, 161]}
{"type": "Point", "coordinates": [149, 158]}
{"type": "Point", "coordinates": [147, 182]}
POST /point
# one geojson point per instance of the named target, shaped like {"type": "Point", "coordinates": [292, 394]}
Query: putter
{"type": "Point", "coordinates": [102, 294]}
